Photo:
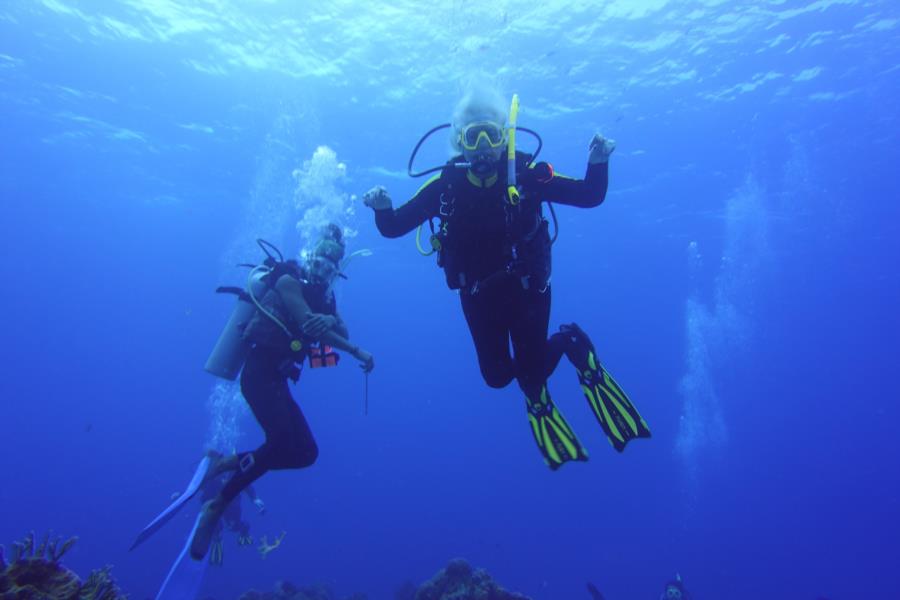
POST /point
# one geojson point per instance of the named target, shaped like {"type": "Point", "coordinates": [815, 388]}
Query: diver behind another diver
{"type": "Point", "coordinates": [674, 590]}
{"type": "Point", "coordinates": [494, 246]}
{"type": "Point", "coordinates": [297, 318]}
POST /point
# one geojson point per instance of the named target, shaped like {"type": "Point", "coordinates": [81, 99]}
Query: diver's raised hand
{"type": "Point", "coordinates": [318, 324]}
{"type": "Point", "coordinates": [377, 198]}
{"type": "Point", "coordinates": [601, 148]}
{"type": "Point", "coordinates": [368, 361]}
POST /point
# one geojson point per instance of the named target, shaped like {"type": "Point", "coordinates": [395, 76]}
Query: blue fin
{"type": "Point", "coordinates": [166, 515]}
{"type": "Point", "coordinates": [186, 576]}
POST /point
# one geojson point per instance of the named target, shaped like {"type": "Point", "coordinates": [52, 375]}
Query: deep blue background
{"type": "Point", "coordinates": [118, 223]}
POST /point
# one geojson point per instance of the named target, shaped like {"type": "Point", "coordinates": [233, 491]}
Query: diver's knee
{"type": "Point", "coordinates": [306, 455]}
{"type": "Point", "coordinates": [496, 380]}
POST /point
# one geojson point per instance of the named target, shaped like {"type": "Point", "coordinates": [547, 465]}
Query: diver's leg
{"type": "Point", "coordinates": [289, 443]}
{"type": "Point", "coordinates": [489, 325]}
{"type": "Point", "coordinates": [262, 384]}
{"type": "Point", "coordinates": [531, 317]}
{"type": "Point", "coordinates": [557, 345]}
{"type": "Point", "coordinates": [530, 311]}
{"type": "Point", "coordinates": [292, 444]}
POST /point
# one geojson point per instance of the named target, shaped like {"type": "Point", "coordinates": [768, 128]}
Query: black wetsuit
{"type": "Point", "coordinates": [499, 258]}
{"type": "Point", "coordinates": [264, 383]}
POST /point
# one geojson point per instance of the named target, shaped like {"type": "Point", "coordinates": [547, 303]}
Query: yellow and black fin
{"type": "Point", "coordinates": [620, 420]}
{"type": "Point", "coordinates": [554, 438]}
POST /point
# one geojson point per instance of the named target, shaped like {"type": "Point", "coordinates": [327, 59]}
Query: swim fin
{"type": "Point", "coordinates": [554, 437]}
{"type": "Point", "coordinates": [212, 465]}
{"type": "Point", "coordinates": [184, 579]}
{"type": "Point", "coordinates": [618, 417]}
{"type": "Point", "coordinates": [171, 510]}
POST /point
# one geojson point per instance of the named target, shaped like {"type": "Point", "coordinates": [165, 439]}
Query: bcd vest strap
{"type": "Point", "coordinates": [239, 292]}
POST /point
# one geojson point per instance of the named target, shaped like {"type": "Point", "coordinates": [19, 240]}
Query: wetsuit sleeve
{"type": "Point", "coordinates": [424, 205]}
{"type": "Point", "coordinates": [340, 342]}
{"type": "Point", "coordinates": [291, 292]}
{"type": "Point", "coordinates": [341, 328]}
{"type": "Point", "coordinates": [585, 193]}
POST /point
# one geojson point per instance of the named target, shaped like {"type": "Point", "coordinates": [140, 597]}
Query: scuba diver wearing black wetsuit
{"type": "Point", "coordinates": [297, 312]}
{"type": "Point", "coordinates": [494, 246]}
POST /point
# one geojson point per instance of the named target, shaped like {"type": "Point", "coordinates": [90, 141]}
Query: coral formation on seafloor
{"type": "Point", "coordinates": [406, 591]}
{"type": "Point", "coordinates": [35, 573]}
{"type": "Point", "coordinates": [285, 590]}
{"type": "Point", "coordinates": [458, 581]}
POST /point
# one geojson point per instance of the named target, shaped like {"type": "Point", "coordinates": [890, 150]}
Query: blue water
{"type": "Point", "coordinates": [741, 281]}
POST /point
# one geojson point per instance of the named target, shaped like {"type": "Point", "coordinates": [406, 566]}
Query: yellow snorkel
{"type": "Point", "coordinates": [512, 192]}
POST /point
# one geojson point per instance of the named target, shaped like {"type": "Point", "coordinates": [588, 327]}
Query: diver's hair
{"type": "Point", "coordinates": [331, 236]}
{"type": "Point", "coordinates": [480, 102]}
{"type": "Point", "coordinates": [333, 232]}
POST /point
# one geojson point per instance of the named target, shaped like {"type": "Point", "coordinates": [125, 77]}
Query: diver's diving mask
{"type": "Point", "coordinates": [482, 134]}
{"type": "Point", "coordinates": [673, 593]}
{"type": "Point", "coordinates": [321, 269]}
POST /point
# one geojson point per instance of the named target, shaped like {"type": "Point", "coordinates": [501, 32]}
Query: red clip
{"type": "Point", "coordinates": [548, 175]}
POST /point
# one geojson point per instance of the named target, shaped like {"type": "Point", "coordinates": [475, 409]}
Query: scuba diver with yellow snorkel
{"type": "Point", "coordinates": [493, 243]}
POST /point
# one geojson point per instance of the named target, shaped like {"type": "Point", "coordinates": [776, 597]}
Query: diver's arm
{"type": "Point", "coordinates": [291, 292]}
{"type": "Point", "coordinates": [341, 343]}
{"type": "Point", "coordinates": [340, 327]}
{"type": "Point", "coordinates": [393, 223]}
{"type": "Point", "coordinates": [318, 324]}
{"type": "Point", "coordinates": [587, 192]}
{"type": "Point", "coordinates": [584, 193]}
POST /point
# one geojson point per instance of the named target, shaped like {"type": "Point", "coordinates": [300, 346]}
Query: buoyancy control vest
{"type": "Point", "coordinates": [481, 236]}
{"type": "Point", "coordinates": [275, 329]}
{"type": "Point", "coordinates": [260, 317]}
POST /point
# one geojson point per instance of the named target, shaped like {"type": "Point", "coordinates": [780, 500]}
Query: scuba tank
{"type": "Point", "coordinates": [231, 349]}
{"type": "Point", "coordinates": [252, 319]}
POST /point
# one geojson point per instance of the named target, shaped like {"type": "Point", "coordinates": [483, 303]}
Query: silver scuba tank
{"type": "Point", "coordinates": [231, 349]}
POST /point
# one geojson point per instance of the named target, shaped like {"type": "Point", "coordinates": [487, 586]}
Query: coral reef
{"type": "Point", "coordinates": [35, 573]}
{"type": "Point", "coordinates": [287, 591]}
{"type": "Point", "coordinates": [458, 581]}
{"type": "Point", "coordinates": [406, 591]}
{"type": "Point", "coordinates": [265, 547]}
